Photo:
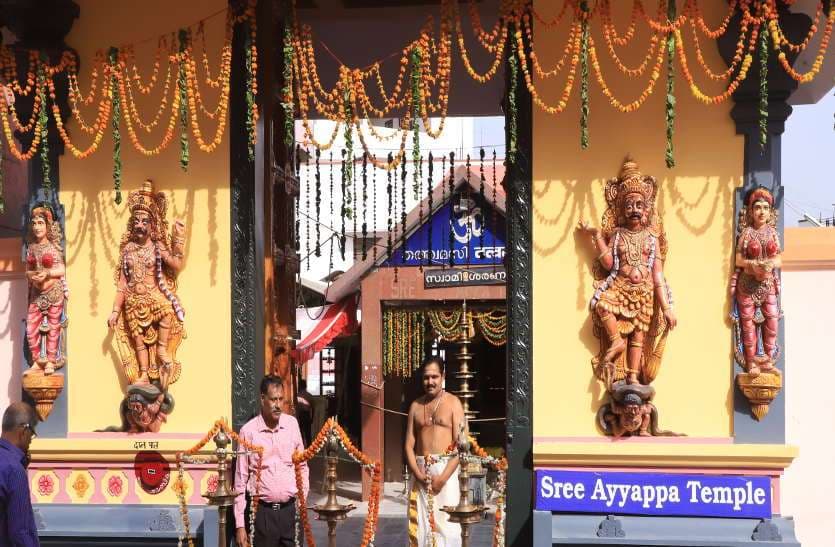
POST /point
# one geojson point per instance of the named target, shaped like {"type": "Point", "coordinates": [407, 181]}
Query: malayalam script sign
{"type": "Point", "coordinates": [464, 277]}
{"type": "Point", "coordinates": [653, 494]}
{"type": "Point", "coordinates": [450, 239]}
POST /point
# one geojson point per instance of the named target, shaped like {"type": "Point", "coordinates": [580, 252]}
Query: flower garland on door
{"type": "Point", "coordinates": [404, 335]}
{"type": "Point", "coordinates": [492, 324]}
{"type": "Point", "coordinates": [332, 430]}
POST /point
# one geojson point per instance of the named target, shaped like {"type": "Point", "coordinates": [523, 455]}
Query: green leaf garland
{"type": "Point", "coordinates": [115, 122]}
{"type": "Point", "coordinates": [670, 103]}
{"type": "Point", "coordinates": [584, 78]}
{"type": "Point", "coordinates": [184, 153]}
{"type": "Point", "coordinates": [763, 110]}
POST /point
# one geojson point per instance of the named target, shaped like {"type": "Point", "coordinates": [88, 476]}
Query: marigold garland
{"type": "Point", "coordinates": [219, 425]}
{"type": "Point", "coordinates": [113, 82]}
{"type": "Point", "coordinates": [332, 429]}
{"type": "Point", "coordinates": [500, 465]}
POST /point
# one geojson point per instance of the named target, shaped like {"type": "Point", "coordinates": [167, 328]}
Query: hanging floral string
{"type": "Point", "coordinates": [364, 205]}
{"type": "Point", "coordinates": [763, 106]}
{"type": "Point", "coordinates": [184, 153]}
{"type": "Point", "coordinates": [430, 166]}
{"type": "Point", "coordinates": [359, 87]}
{"type": "Point", "coordinates": [344, 181]}
{"type": "Point", "coordinates": [374, 207]}
{"type": "Point", "coordinates": [287, 88]}
{"type": "Point", "coordinates": [297, 201]}
{"type": "Point", "coordinates": [389, 190]}
{"type": "Point", "coordinates": [512, 117]}
{"type": "Point", "coordinates": [318, 249]}
{"type": "Point", "coordinates": [403, 212]}
{"type": "Point", "coordinates": [670, 102]}
{"type": "Point", "coordinates": [404, 336]}
{"type": "Point", "coordinates": [584, 76]}
{"type": "Point", "coordinates": [117, 137]}
{"type": "Point", "coordinates": [416, 105]}
{"type": "Point", "coordinates": [494, 215]}
{"type": "Point", "coordinates": [451, 208]}
{"type": "Point", "coordinates": [419, 197]}
{"type": "Point", "coordinates": [355, 198]}
{"type": "Point", "coordinates": [481, 202]}
{"type": "Point", "coordinates": [46, 183]}
{"type": "Point", "coordinates": [307, 204]}
{"type": "Point", "coordinates": [251, 53]}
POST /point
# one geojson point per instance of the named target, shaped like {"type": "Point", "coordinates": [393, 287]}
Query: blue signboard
{"type": "Point", "coordinates": [653, 494]}
{"type": "Point", "coordinates": [478, 238]}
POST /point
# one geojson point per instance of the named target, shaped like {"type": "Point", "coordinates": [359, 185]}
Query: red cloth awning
{"type": "Point", "coordinates": [340, 319]}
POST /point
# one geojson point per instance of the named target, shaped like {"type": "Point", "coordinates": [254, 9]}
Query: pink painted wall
{"type": "Point", "coordinates": [12, 313]}
{"type": "Point", "coordinates": [808, 302]}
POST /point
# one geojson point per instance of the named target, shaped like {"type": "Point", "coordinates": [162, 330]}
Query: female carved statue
{"type": "Point", "coordinates": [47, 291]}
{"type": "Point", "coordinates": [755, 284]}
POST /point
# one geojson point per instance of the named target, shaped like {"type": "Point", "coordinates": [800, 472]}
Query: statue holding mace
{"type": "Point", "coordinates": [632, 309]}
{"type": "Point", "coordinates": [147, 316]}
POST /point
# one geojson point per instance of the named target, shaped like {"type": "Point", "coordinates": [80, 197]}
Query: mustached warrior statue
{"type": "Point", "coordinates": [147, 316]}
{"type": "Point", "coordinates": [632, 307]}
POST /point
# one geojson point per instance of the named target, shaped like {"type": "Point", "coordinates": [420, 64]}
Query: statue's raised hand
{"type": "Point", "coordinates": [584, 226]}
{"type": "Point", "coordinates": [179, 228]}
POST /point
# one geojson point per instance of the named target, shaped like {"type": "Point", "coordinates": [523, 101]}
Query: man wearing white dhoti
{"type": "Point", "coordinates": [433, 419]}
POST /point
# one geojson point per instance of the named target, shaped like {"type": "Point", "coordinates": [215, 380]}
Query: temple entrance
{"type": "Point", "coordinates": [486, 399]}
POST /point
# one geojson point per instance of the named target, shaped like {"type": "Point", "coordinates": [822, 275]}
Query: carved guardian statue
{"type": "Point", "coordinates": [147, 316]}
{"type": "Point", "coordinates": [632, 308]}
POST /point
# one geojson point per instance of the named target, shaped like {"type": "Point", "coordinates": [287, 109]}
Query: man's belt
{"type": "Point", "coordinates": [275, 506]}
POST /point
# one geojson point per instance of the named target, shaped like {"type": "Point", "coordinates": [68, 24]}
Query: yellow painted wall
{"type": "Point", "coordinates": [95, 225]}
{"type": "Point", "coordinates": [694, 387]}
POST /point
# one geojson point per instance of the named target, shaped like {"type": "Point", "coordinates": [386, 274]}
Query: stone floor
{"type": "Point", "coordinates": [392, 529]}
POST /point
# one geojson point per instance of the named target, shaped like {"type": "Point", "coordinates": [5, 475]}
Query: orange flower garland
{"type": "Point", "coordinates": [332, 428]}
{"type": "Point", "coordinates": [351, 93]}
{"type": "Point", "coordinates": [500, 465]}
{"type": "Point", "coordinates": [219, 425]}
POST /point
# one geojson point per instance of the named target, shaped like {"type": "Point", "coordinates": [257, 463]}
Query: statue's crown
{"type": "Point", "coordinates": [143, 199]}
{"type": "Point", "coordinates": [632, 181]}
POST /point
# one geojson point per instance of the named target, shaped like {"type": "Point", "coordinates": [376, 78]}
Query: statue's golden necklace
{"type": "Point", "coordinates": [143, 260]}
{"type": "Point", "coordinates": [635, 243]}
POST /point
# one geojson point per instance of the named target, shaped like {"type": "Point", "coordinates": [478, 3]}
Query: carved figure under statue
{"type": "Point", "coordinates": [632, 307]}
{"type": "Point", "coordinates": [147, 317]}
{"type": "Point", "coordinates": [755, 291]}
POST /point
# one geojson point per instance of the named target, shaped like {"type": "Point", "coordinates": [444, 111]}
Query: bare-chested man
{"type": "Point", "coordinates": [435, 420]}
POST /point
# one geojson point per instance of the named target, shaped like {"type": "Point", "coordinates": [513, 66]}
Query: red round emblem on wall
{"type": "Point", "coordinates": [152, 471]}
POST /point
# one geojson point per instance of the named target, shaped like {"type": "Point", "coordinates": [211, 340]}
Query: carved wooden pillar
{"type": "Point", "coordinates": [519, 264]}
{"type": "Point", "coordinates": [282, 266]}
{"type": "Point", "coordinates": [762, 168]}
{"type": "Point", "coordinates": [247, 242]}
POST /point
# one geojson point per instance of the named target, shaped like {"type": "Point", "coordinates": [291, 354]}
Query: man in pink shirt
{"type": "Point", "coordinates": [279, 435]}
